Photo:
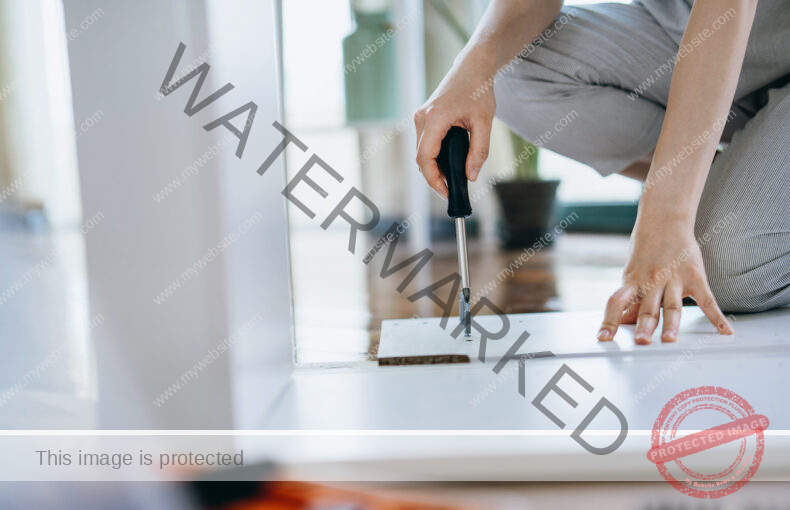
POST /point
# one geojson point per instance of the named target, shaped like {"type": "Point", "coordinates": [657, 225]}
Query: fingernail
{"type": "Point", "coordinates": [642, 338]}
{"type": "Point", "coordinates": [725, 327]}
{"type": "Point", "coordinates": [475, 172]}
{"type": "Point", "coordinates": [669, 336]}
{"type": "Point", "coordinates": [604, 334]}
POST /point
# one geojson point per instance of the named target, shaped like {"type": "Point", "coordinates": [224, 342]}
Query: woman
{"type": "Point", "coordinates": [613, 65]}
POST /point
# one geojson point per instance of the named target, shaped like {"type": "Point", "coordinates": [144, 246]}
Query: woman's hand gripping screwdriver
{"type": "Point", "coordinates": [452, 163]}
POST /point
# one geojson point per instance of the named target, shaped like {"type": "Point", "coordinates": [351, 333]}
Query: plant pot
{"type": "Point", "coordinates": [527, 211]}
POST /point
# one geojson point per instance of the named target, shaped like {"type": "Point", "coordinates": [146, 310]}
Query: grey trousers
{"type": "Point", "coordinates": [591, 64]}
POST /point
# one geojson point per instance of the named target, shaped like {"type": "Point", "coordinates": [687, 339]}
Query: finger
{"type": "Point", "coordinates": [648, 316]}
{"type": "Point", "coordinates": [673, 308]}
{"type": "Point", "coordinates": [478, 147]}
{"type": "Point", "coordinates": [630, 315]}
{"type": "Point", "coordinates": [704, 297]}
{"type": "Point", "coordinates": [428, 148]}
{"type": "Point", "coordinates": [618, 302]}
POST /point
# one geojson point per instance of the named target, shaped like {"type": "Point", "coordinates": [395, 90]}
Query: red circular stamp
{"type": "Point", "coordinates": [726, 424]}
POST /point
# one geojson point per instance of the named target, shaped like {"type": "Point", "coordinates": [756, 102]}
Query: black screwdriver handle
{"type": "Point", "coordinates": [452, 163]}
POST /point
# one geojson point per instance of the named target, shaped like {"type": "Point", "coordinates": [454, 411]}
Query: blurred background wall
{"type": "Point", "coordinates": [37, 149]}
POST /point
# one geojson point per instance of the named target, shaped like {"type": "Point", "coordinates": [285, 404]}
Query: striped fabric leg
{"type": "Point", "coordinates": [745, 212]}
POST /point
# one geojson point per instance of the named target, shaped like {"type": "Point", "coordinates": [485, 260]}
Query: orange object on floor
{"type": "Point", "coordinates": [300, 495]}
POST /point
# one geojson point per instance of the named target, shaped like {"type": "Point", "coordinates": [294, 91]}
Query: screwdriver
{"type": "Point", "coordinates": [452, 163]}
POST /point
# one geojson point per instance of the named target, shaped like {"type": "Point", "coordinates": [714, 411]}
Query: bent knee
{"type": "Point", "coordinates": [744, 294]}
{"type": "Point", "coordinates": [744, 277]}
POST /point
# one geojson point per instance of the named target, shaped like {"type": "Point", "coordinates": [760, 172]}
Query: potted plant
{"type": "Point", "coordinates": [527, 201]}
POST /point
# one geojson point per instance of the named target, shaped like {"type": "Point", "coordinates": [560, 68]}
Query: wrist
{"type": "Point", "coordinates": [673, 215]}
{"type": "Point", "coordinates": [480, 54]}
{"type": "Point", "coordinates": [669, 199]}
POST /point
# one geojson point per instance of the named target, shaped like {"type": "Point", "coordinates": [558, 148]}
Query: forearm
{"type": "Point", "coordinates": [465, 97]}
{"type": "Point", "coordinates": [701, 92]}
{"type": "Point", "coordinates": [507, 27]}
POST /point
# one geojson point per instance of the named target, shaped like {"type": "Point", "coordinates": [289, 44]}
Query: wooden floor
{"type": "Point", "coordinates": [340, 302]}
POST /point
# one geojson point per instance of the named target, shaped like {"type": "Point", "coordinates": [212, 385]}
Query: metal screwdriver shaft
{"type": "Point", "coordinates": [452, 163]}
{"type": "Point", "coordinates": [463, 268]}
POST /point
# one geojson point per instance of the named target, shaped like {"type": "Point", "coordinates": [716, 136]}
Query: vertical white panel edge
{"type": "Point", "coordinates": [144, 347]}
{"type": "Point", "coordinates": [258, 273]}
